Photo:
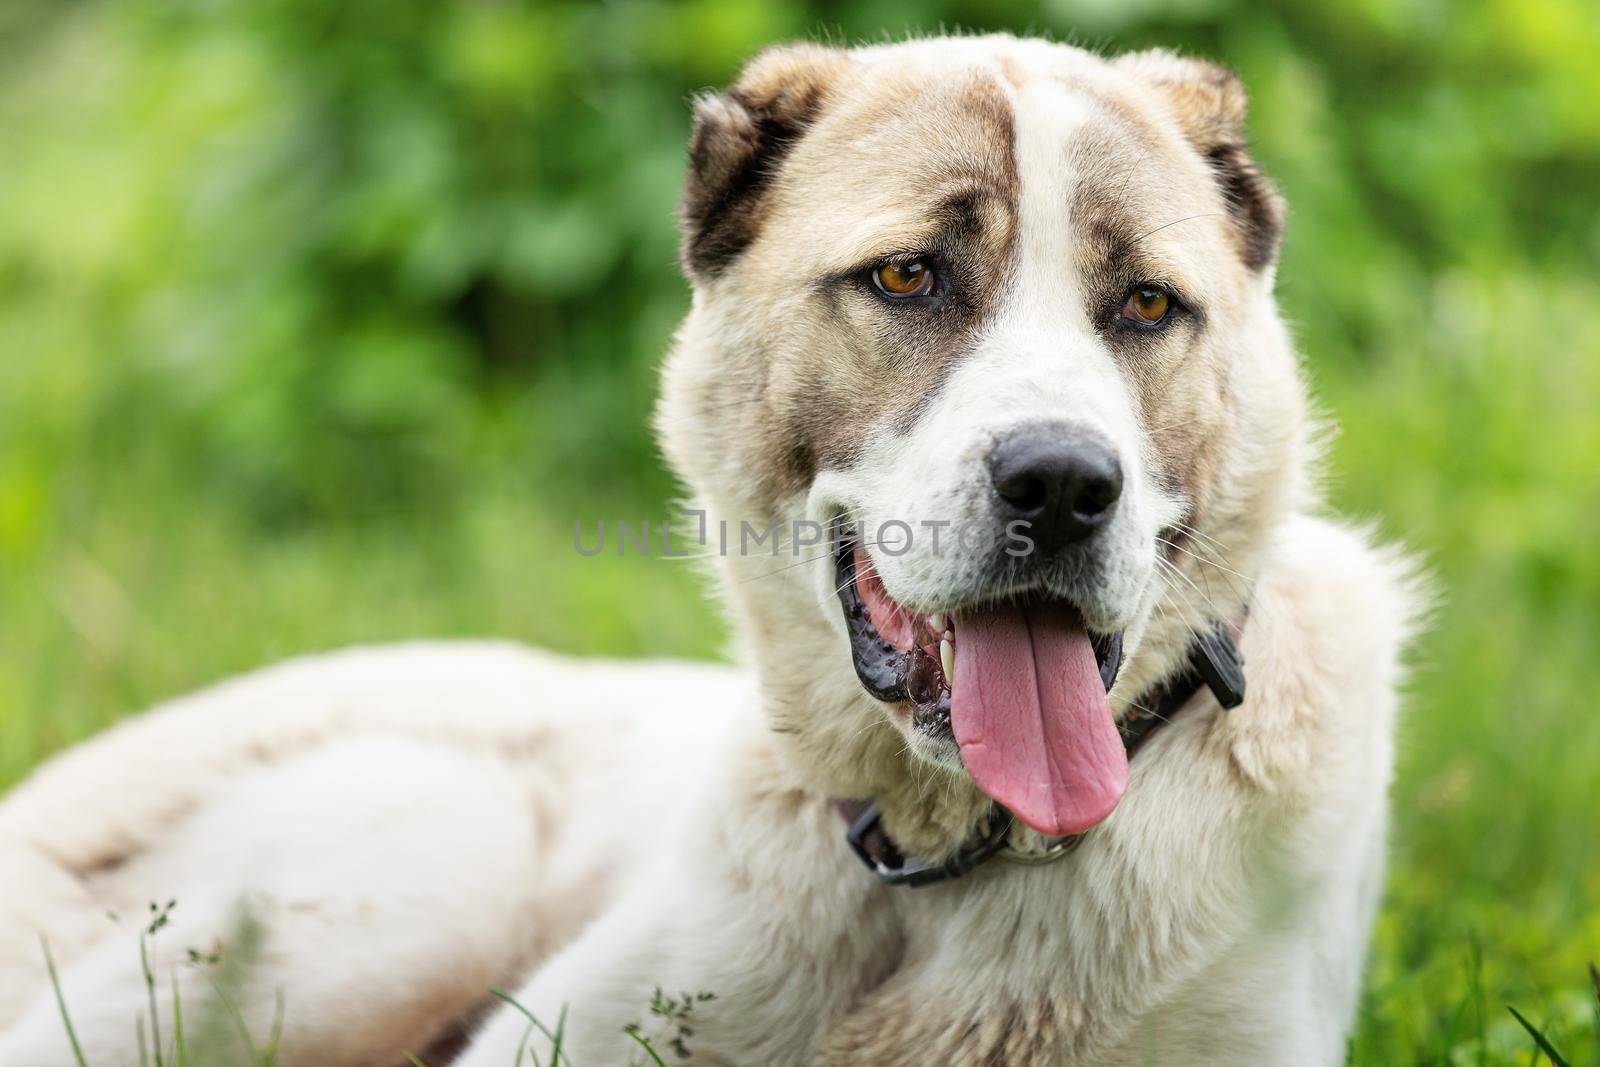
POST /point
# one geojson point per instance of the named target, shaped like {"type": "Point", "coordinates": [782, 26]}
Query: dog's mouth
{"type": "Point", "coordinates": [1019, 686]}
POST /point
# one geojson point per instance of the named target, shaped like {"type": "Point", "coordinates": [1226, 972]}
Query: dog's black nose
{"type": "Point", "coordinates": [1063, 482]}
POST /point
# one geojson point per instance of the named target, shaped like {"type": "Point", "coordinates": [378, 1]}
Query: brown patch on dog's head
{"type": "Point", "coordinates": [740, 138]}
{"type": "Point", "coordinates": [1210, 104]}
{"type": "Point", "coordinates": [796, 176]}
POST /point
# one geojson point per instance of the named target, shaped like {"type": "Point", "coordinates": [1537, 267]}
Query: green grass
{"type": "Point", "coordinates": [221, 1018]}
{"type": "Point", "coordinates": [227, 967]}
{"type": "Point", "coordinates": [1474, 456]}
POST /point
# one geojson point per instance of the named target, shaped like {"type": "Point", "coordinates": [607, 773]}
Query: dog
{"type": "Point", "coordinates": [1098, 776]}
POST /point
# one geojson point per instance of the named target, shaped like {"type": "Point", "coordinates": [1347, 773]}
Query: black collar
{"type": "Point", "coordinates": [1214, 662]}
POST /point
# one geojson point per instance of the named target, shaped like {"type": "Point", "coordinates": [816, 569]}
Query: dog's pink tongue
{"type": "Point", "coordinates": [1031, 716]}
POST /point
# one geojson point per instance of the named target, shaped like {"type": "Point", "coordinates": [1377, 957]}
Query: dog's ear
{"type": "Point", "coordinates": [740, 139]}
{"type": "Point", "coordinates": [1210, 103]}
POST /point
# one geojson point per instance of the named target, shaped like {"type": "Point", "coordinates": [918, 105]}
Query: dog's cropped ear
{"type": "Point", "coordinates": [1210, 103]}
{"type": "Point", "coordinates": [740, 139]}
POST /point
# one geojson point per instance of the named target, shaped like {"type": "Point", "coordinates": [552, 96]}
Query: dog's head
{"type": "Point", "coordinates": [998, 313]}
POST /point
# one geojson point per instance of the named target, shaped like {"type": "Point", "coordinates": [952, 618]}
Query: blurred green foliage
{"type": "Point", "coordinates": [319, 322]}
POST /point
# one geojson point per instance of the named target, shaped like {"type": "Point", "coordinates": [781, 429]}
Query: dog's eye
{"type": "Point", "coordinates": [903, 280]}
{"type": "Point", "coordinates": [1147, 305]}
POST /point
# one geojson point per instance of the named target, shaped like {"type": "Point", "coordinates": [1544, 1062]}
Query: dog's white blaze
{"type": "Point", "coordinates": [1039, 360]}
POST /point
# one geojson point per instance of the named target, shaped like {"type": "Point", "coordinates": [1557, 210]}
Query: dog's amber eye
{"type": "Point", "coordinates": [900, 280]}
{"type": "Point", "coordinates": [1147, 305]}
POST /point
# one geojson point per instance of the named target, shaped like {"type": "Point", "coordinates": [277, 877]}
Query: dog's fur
{"type": "Point", "coordinates": [414, 825]}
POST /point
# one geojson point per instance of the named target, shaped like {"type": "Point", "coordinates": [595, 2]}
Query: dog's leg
{"type": "Point", "coordinates": [379, 920]}
{"type": "Point", "coordinates": [755, 901]}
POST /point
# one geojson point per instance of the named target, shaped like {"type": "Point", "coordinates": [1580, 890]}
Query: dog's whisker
{"type": "Point", "coordinates": [1205, 576]}
{"type": "Point", "coordinates": [1149, 711]}
{"type": "Point", "coordinates": [1201, 535]}
{"type": "Point", "coordinates": [1201, 559]}
{"type": "Point", "coordinates": [1174, 222]}
{"type": "Point", "coordinates": [1216, 557]}
{"type": "Point", "coordinates": [1191, 614]}
{"type": "Point", "coordinates": [1174, 425]}
{"type": "Point", "coordinates": [1190, 582]}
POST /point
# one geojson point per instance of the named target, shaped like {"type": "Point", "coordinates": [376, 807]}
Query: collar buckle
{"type": "Point", "coordinates": [1220, 664]}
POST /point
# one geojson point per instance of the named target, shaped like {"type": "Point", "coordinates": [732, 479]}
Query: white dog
{"type": "Point", "coordinates": [984, 329]}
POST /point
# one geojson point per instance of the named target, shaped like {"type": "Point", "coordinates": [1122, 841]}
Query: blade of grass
{"type": "Point", "coordinates": [1594, 980]}
{"type": "Point", "coordinates": [61, 1002]}
{"type": "Point", "coordinates": [144, 1049]}
{"type": "Point", "coordinates": [554, 1040]}
{"type": "Point", "coordinates": [649, 1050]}
{"type": "Point", "coordinates": [1477, 998]}
{"type": "Point", "coordinates": [238, 1021]}
{"type": "Point", "coordinates": [271, 1057]}
{"type": "Point", "coordinates": [522, 1047]}
{"type": "Point", "coordinates": [415, 1062]}
{"type": "Point", "coordinates": [180, 1051]}
{"type": "Point", "coordinates": [150, 995]}
{"type": "Point", "coordinates": [1539, 1039]}
{"type": "Point", "coordinates": [219, 1023]}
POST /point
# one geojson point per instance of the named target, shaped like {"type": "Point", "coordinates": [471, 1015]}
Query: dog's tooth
{"type": "Point", "coordinates": [947, 660]}
{"type": "Point", "coordinates": [936, 622]}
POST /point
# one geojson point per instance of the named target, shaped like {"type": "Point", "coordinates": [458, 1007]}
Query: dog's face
{"type": "Point", "coordinates": [998, 315]}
